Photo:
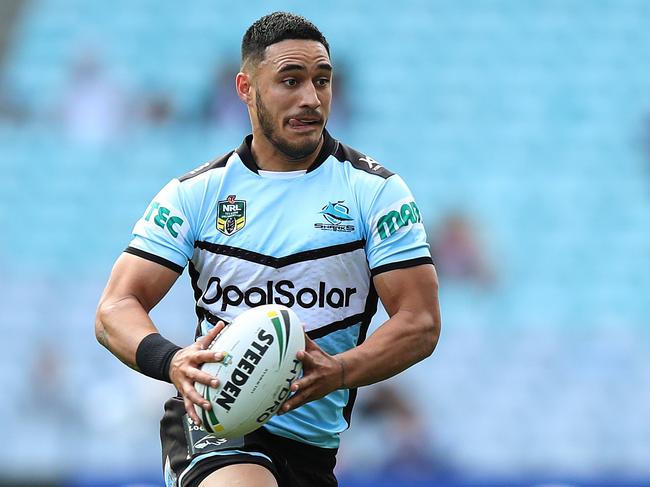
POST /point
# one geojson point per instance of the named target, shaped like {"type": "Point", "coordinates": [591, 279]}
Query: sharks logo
{"type": "Point", "coordinates": [337, 215]}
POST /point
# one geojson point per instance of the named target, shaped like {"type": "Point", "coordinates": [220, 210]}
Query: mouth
{"type": "Point", "coordinates": [304, 123]}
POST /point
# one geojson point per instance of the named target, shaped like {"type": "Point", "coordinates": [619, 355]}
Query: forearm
{"type": "Point", "coordinates": [405, 339]}
{"type": "Point", "coordinates": [121, 325]}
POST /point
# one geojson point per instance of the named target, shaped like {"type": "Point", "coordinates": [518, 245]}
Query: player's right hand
{"type": "Point", "coordinates": [185, 370]}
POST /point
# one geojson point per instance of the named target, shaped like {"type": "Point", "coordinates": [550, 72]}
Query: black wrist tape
{"type": "Point", "coordinates": [154, 355]}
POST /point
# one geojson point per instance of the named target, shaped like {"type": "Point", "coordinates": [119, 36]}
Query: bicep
{"type": "Point", "coordinates": [414, 289]}
{"type": "Point", "coordinates": [142, 279]}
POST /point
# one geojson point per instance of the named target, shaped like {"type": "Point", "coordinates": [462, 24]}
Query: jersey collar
{"type": "Point", "coordinates": [246, 155]}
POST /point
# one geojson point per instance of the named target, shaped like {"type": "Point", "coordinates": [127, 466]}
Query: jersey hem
{"type": "Point", "coordinates": [332, 441]}
{"type": "Point", "coordinates": [154, 258]}
{"type": "Point", "coordinates": [404, 264]}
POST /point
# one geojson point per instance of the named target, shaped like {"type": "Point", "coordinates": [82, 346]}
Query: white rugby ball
{"type": "Point", "coordinates": [256, 375]}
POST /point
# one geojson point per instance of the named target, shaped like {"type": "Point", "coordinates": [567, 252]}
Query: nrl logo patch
{"type": "Point", "coordinates": [231, 215]}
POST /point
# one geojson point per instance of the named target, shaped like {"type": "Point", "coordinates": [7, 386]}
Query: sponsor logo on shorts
{"type": "Point", "coordinates": [231, 215]}
{"type": "Point", "coordinates": [208, 440]}
{"type": "Point", "coordinates": [337, 216]}
{"type": "Point", "coordinates": [392, 221]}
{"type": "Point", "coordinates": [281, 292]}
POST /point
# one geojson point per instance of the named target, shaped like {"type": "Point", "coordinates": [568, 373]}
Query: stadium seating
{"type": "Point", "coordinates": [529, 117]}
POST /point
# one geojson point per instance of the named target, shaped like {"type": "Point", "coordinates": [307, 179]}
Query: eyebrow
{"type": "Point", "coordinates": [300, 67]}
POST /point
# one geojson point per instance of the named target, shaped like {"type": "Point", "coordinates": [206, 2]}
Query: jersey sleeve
{"type": "Point", "coordinates": [164, 232]}
{"type": "Point", "coordinates": [395, 234]}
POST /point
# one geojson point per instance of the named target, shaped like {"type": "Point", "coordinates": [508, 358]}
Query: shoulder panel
{"type": "Point", "coordinates": [219, 162]}
{"type": "Point", "coordinates": [361, 161]}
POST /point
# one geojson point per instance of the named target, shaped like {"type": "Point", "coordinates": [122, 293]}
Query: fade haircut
{"type": "Point", "coordinates": [274, 28]}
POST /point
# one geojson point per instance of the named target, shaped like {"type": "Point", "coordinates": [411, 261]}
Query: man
{"type": "Point", "coordinates": [291, 217]}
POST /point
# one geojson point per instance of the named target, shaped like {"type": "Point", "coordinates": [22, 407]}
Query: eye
{"type": "Point", "coordinates": [322, 82]}
{"type": "Point", "coordinates": [290, 82]}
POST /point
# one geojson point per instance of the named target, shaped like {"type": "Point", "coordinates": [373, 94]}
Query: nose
{"type": "Point", "coordinates": [309, 96]}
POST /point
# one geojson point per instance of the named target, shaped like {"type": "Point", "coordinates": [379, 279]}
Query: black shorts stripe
{"type": "Point", "coordinates": [206, 467]}
{"type": "Point", "coordinates": [277, 262]}
{"type": "Point", "coordinates": [155, 258]}
{"type": "Point", "coordinates": [401, 265]}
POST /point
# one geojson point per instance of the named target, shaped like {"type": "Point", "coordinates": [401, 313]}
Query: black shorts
{"type": "Point", "coordinates": [190, 454]}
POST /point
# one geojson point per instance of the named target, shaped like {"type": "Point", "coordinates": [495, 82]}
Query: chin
{"type": "Point", "coordinates": [314, 135]}
{"type": "Point", "coordinates": [300, 147]}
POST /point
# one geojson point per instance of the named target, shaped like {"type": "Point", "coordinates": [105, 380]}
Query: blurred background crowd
{"type": "Point", "coordinates": [522, 127]}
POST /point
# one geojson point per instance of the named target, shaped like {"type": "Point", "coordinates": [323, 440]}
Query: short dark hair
{"type": "Point", "coordinates": [276, 27]}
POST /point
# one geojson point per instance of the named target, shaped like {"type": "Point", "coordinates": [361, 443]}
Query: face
{"type": "Point", "coordinates": [290, 96]}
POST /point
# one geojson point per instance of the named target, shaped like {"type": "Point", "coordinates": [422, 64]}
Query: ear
{"type": "Point", "coordinates": [244, 87]}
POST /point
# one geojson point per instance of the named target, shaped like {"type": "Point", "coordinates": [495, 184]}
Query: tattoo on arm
{"type": "Point", "coordinates": [102, 337]}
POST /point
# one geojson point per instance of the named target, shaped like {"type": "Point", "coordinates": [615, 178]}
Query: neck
{"type": "Point", "coordinates": [269, 158]}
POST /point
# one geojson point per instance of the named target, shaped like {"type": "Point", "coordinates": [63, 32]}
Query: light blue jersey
{"type": "Point", "coordinates": [311, 242]}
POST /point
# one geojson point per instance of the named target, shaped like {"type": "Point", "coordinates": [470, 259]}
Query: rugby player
{"type": "Point", "coordinates": [295, 217]}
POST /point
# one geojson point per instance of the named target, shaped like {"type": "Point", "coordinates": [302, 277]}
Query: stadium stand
{"type": "Point", "coordinates": [527, 116]}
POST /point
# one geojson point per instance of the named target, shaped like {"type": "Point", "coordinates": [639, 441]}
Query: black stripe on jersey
{"type": "Point", "coordinates": [400, 265]}
{"type": "Point", "coordinates": [326, 150]}
{"type": "Point", "coordinates": [212, 318]}
{"type": "Point", "coordinates": [200, 312]}
{"type": "Point", "coordinates": [218, 162]}
{"type": "Point", "coordinates": [277, 262]}
{"type": "Point", "coordinates": [203, 313]}
{"type": "Point", "coordinates": [368, 312]}
{"type": "Point", "coordinates": [336, 326]}
{"type": "Point", "coordinates": [360, 161]}
{"type": "Point", "coordinates": [194, 276]}
{"type": "Point", "coordinates": [155, 258]}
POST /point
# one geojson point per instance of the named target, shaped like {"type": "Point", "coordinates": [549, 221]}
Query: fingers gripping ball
{"type": "Point", "coordinates": [256, 374]}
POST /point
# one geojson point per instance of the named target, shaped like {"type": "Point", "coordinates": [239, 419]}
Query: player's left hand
{"type": "Point", "coordinates": [322, 374]}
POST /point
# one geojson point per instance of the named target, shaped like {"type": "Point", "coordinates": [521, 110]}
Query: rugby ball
{"type": "Point", "coordinates": [255, 377]}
